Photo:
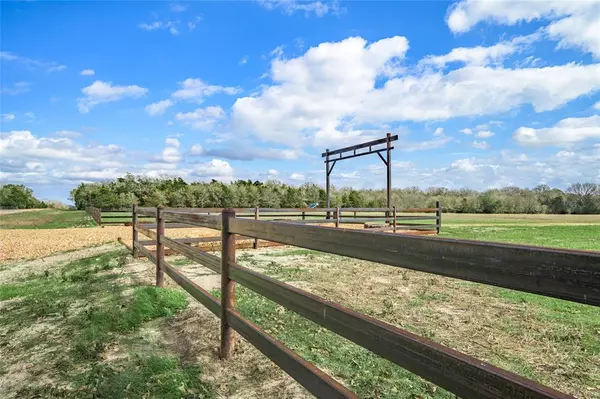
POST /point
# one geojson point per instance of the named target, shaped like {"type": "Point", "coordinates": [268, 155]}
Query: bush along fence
{"type": "Point", "coordinates": [564, 274]}
{"type": "Point", "coordinates": [416, 220]}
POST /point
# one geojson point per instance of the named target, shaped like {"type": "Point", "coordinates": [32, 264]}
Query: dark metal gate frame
{"type": "Point", "coordinates": [387, 161]}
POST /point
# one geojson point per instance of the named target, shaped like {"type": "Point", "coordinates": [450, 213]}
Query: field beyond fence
{"type": "Point", "coordinates": [570, 275]}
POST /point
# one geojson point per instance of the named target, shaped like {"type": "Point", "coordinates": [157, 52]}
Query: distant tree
{"type": "Point", "coordinates": [17, 196]}
{"type": "Point", "coordinates": [585, 197]}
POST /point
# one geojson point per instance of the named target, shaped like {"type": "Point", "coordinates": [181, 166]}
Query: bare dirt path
{"type": "Point", "coordinates": [11, 211]}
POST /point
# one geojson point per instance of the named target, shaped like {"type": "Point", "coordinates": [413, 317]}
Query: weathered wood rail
{"type": "Point", "coordinates": [394, 219]}
{"type": "Point", "coordinates": [564, 274]}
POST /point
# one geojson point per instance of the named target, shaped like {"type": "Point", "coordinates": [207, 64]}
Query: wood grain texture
{"type": "Point", "coordinates": [452, 370]}
{"type": "Point", "coordinates": [565, 274]}
{"type": "Point", "coordinates": [211, 222]}
{"type": "Point", "coordinates": [146, 232]}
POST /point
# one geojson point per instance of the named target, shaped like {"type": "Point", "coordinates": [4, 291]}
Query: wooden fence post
{"type": "Point", "coordinates": [303, 215]}
{"type": "Point", "coordinates": [438, 214]}
{"type": "Point", "coordinates": [337, 216]}
{"type": "Point", "coordinates": [394, 216]}
{"type": "Point", "coordinates": [227, 285]}
{"type": "Point", "coordinates": [256, 217]}
{"type": "Point", "coordinates": [134, 232]}
{"type": "Point", "coordinates": [160, 248]}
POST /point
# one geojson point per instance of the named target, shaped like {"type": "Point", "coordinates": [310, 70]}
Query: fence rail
{"type": "Point", "coordinates": [571, 275]}
{"type": "Point", "coordinates": [338, 216]}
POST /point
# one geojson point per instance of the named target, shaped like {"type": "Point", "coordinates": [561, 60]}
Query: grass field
{"type": "Point", "coordinates": [93, 328]}
{"type": "Point", "coordinates": [46, 219]}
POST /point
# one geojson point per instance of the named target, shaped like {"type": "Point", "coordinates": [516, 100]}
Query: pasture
{"type": "Point", "coordinates": [88, 323]}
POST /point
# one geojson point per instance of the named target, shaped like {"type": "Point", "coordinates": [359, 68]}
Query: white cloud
{"type": "Point", "coordinates": [8, 117]}
{"type": "Point", "coordinates": [158, 108]}
{"type": "Point", "coordinates": [273, 172]}
{"type": "Point", "coordinates": [216, 169]}
{"type": "Point", "coordinates": [29, 115]}
{"type": "Point", "coordinates": [68, 134]}
{"type": "Point", "coordinates": [202, 118]}
{"type": "Point", "coordinates": [17, 88]}
{"type": "Point", "coordinates": [482, 145]}
{"type": "Point", "coordinates": [467, 131]}
{"type": "Point", "coordinates": [197, 90]}
{"type": "Point", "coordinates": [316, 96]}
{"type": "Point", "coordinates": [244, 60]}
{"type": "Point", "coordinates": [171, 26]}
{"type": "Point", "coordinates": [87, 72]}
{"type": "Point", "coordinates": [177, 7]}
{"type": "Point", "coordinates": [479, 55]}
{"type": "Point", "coordinates": [484, 134]}
{"type": "Point", "coordinates": [196, 150]}
{"type": "Point", "coordinates": [103, 92]}
{"type": "Point", "coordinates": [32, 64]}
{"type": "Point", "coordinates": [173, 142]}
{"type": "Point", "coordinates": [597, 105]}
{"type": "Point", "coordinates": [288, 7]}
{"type": "Point", "coordinates": [29, 159]}
{"type": "Point", "coordinates": [297, 177]}
{"type": "Point", "coordinates": [439, 131]}
{"type": "Point", "coordinates": [566, 132]}
{"type": "Point", "coordinates": [465, 165]}
{"type": "Point", "coordinates": [574, 23]}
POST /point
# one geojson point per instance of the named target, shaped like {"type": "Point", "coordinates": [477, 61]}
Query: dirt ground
{"type": "Point", "coordinates": [33, 244]}
{"type": "Point", "coordinates": [11, 211]}
{"type": "Point", "coordinates": [192, 335]}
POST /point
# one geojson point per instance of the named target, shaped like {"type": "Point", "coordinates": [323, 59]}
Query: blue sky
{"type": "Point", "coordinates": [482, 94]}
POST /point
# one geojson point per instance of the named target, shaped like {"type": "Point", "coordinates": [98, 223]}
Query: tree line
{"type": "Point", "coordinates": [17, 196]}
{"type": "Point", "coordinates": [579, 198]}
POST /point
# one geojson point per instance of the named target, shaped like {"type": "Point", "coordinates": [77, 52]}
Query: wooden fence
{"type": "Point", "coordinates": [570, 275]}
{"type": "Point", "coordinates": [96, 214]}
{"type": "Point", "coordinates": [421, 220]}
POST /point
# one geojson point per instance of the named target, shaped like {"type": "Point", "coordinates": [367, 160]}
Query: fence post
{"type": "Point", "coordinates": [337, 216]}
{"type": "Point", "coordinates": [394, 216]}
{"type": "Point", "coordinates": [303, 215]}
{"type": "Point", "coordinates": [160, 248]}
{"type": "Point", "coordinates": [256, 217]}
{"type": "Point", "coordinates": [227, 285]}
{"type": "Point", "coordinates": [134, 232]}
{"type": "Point", "coordinates": [438, 214]}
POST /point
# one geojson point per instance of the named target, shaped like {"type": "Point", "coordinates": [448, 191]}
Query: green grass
{"type": "Point", "coordinates": [88, 310]}
{"type": "Point", "coordinates": [46, 219]}
{"type": "Point", "coordinates": [571, 237]}
{"type": "Point", "coordinates": [366, 374]}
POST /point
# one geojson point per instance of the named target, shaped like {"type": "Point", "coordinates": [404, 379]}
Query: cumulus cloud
{"type": "Point", "coordinates": [480, 55]}
{"type": "Point", "coordinates": [566, 132]}
{"type": "Point", "coordinates": [573, 23]}
{"type": "Point", "coordinates": [202, 118]}
{"type": "Point", "coordinates": [158, 108]}
{"type": "Point", "coordinates": [316, 95]}
{"type": "Point", "coordinates": [484, 134]}
{"type": "Point", "coordinates": [87, 72]}
{"type": "Point", "coordinates": [103, 92]}
{"type": "Point", "coordinates": [215, 169]}
{"type": "Point", "coordinates": [297, 177]}
{"type": "Point", "coordinates": [30, 159]}
{"type": "Point", "coordinates": [197, 90]}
